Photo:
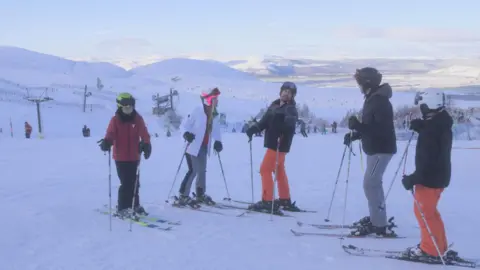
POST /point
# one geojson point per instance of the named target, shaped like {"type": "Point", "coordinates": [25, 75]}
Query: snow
{"type": "Point", "coordinates": [52, 186]}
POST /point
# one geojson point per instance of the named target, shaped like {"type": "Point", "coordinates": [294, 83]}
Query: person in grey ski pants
{"type": "Point", "coordinates": [197, 167]}
{"type": "Point", "coordinates": [373, 188]}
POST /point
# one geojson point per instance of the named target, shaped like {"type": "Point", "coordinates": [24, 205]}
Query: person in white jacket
{"type": "Point", "coordinates": [201, 130]}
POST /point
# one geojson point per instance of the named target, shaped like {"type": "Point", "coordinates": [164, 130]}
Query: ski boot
{"type": "Point", "coordinates": [287, 205]}
{"type": "Point", "coordinates": [183, 201]}
{"type": "Point", "coordinates": [368, 228]}
{"type": "Point", "coordinates": [139, 210]}
{"type": "Point", "coordinates": [125, 213]}
{"type": "Point", "coordinates": [203, 198]}
{"type": "Point", "coordinates": [365, 221]}
{"type": "Point", "coordinates": [266, 207]}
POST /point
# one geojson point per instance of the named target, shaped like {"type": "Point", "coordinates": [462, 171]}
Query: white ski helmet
{"type": "Point", "coordinates": [434, 99]}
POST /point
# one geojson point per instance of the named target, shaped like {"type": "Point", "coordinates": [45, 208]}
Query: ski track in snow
{"type": "Point", "coordinates": [51, 187]}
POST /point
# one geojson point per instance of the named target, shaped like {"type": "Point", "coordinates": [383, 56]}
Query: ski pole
{"type": "Point", "coordinates": [327, 219]}
{"type": "Point", "coordinates": [346, 188]}
{"type": "Point", "coordinates": [404, 156]}
{"type": "Point", "coordinates": [251, 170]}
{"type": "Point", "coordinates": [275, 179]}
{"type": "Point", "coordinates": [223, 174]}
{"type": "Point", "coordinates": [361, 156]}
{"type": "Point", "coordinates": [428, 228]}
{"type": "Point", "coordinates": [135, 190]}
{"type": "Point", "coordinates": [110, 188]}
{"type": "Point", "coordinates": [178, 171]}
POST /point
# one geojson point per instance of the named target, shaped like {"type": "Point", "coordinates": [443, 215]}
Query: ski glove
{"type": "Point", "coordinates": [416, 125]}
{"type": "Point", "coordinates": [146, 148]}
{"type": "Point", "coordinates": [218, 146]}
{"type": "Point", "coordinates": [188, 136]}
{"type": "Point", "coordinates": [105, 145]}
{"type": "Point", "coordinates": [353, 123]}
{"type": "Point", "coordinates": [409, 181]}
{"type": "Point", "coordinates": [250, 131]}
{"type": "Point", "coordinates": [348, 139]}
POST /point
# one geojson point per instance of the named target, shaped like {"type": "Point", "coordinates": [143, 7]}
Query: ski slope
{"type": "Point", "coordinates": [51, 187]}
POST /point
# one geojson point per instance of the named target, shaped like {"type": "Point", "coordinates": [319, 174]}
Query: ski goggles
{"type": "Point", "coordinates": [125, 102]}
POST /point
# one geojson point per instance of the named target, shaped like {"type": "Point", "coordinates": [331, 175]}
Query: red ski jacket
{"type": "Point", "coordinates": [125, 132]}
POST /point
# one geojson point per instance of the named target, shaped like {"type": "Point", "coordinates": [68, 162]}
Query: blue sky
{"type": "Point", "coordinates": [228, 29]}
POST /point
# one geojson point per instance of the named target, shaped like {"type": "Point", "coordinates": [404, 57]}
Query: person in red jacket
{"type": "Point", "coordinates": [129, 136]}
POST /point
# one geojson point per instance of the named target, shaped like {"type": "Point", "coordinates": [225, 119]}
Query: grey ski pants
{"type": "Point", "coordinates": [373, 188]}
{"type": "Point", "coordinates": [197, 167]}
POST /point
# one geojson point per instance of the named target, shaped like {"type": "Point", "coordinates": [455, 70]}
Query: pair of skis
{"type": "Point", "coordinates": [338, 235]}
{"type": "Point", "coordinates": [402, 256]}
{"type": "Point", "coordinates": [149, 221]}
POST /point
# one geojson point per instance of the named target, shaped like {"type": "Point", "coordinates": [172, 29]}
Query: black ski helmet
{"type": "Point", "coordinates": [289, 86]}
{"type": "Point", "coordinates": [368, 78]}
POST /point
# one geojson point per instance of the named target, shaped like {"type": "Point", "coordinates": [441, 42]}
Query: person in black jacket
{"type": "Point", "coordinates": [432, 171]}
{"type": "Point", "coordinates": [279, 123]}
{"type": "Point", "coordinates": [379, 143]}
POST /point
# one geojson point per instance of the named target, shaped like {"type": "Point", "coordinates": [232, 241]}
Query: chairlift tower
{"type": "Point", "coordinates": [85, 95]}
{"type": "Point", "coordinates": [38, 101]}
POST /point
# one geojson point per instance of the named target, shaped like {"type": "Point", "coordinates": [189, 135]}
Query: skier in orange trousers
{"type": "Point", "coordinates": [432, 174]}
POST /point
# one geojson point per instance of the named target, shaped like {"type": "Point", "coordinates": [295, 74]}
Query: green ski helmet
{"type": "Point", "coordinates": [125, 99]}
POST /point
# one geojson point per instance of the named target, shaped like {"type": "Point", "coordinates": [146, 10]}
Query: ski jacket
{"type": "Point", "coordinates": [377, 129]}
{"type": "Point", "coordinates": [279, 122]}
{"type": "Point", "coordinates": [433, 151]}
{"type": "Point", "coordinates": [125, 132]}
{"type": "Point", "coordinates": [196, 123]}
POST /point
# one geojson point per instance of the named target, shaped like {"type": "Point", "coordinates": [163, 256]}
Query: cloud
{"type": "Point", "coordinates": [125, 45]}
{"type": "Point", "coordinates": [425, 35]}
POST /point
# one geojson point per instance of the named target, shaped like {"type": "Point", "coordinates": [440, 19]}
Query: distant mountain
{"type": "Point", "coordinates": [276, 66]}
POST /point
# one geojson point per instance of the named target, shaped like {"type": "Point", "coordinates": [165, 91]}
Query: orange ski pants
{"type": "Point", "coordinates": [428, 199]}
{"type": "Point", "coordinates": [267, 169]}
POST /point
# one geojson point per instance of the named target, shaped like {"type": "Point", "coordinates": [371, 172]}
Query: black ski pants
{"type": "Point", "coordinates": [127, 173]}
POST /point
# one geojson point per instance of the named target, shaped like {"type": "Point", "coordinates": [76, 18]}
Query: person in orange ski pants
{"type": "Point", "coordinates": [432, 174]}
{"type": "Point", "coordinates": [279, 123]}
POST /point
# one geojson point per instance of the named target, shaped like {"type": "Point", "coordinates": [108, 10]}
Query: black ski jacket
{"type": "Point", "coordinates": [433, 151]}
{"type": "Point", "coordinates": [377, 129]}
{"type": "Point", "coordinates": [279, 122]}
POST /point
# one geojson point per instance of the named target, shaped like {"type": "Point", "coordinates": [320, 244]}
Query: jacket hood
{"type": "Point", "coordinates": [383, 90]}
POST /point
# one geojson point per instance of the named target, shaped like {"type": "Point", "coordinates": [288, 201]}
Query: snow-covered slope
{"type": "Point", "coordinates": [51, 188]}
{"type": "Point", "coordinates": [14, 62]}
{"type": "Point", "coordinates": [190, 67]}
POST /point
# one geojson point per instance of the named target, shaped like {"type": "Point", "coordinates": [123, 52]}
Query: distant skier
{"type": "Point", "coordinates": [303, 128]}
{"type": "Point", "coordinates": [432, 172]}
{"type": "Point", "coordinates": [279, 123]}
{"type": "Point", "coordinates": [85, 131]}
{"type": "Point", "coordinates": [28, 130]}
{"type": "Point", "coordinates": [377, 133]}
{"type": "Point", "coordinates": [129, 136]}
{"type": "Point", "coordinates": [201, 129]}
